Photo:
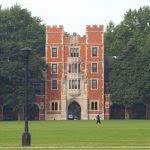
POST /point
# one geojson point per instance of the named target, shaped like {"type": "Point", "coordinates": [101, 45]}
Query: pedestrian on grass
{"type": "Point", "coordinates": [98, 119]}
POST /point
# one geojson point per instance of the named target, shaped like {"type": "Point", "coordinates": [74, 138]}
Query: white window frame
{"type": "Point", "coordinates": [52, 52]}
{"type": "Point", "coordinates": [92, 86]}
{"type": "Point", "coordinates": [90, 105]}
{"type": "Point", "coordinates": [54, 101]}
{"type": "Point", "coordinates": [77, 82]}
{"type": "Point", "coordinates": [52, 68]}
{"type": "Point", "coordinates": [78, 52]}
{"type": "Point", "coordinates": [92, 51]}
{"type": "Point", "coordinates": [52, 86]}
{"type": "Point", "coordinates": [92, 65]}
{"type": "Point", "coordinates": [73, 69]}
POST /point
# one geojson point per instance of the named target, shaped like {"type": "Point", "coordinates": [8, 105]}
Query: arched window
{"type": "Point", "coordinates": [95, 105]}
{"type": "Point", "coordinates": [92, 106]}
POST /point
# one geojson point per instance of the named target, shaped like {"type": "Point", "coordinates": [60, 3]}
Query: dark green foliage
{"type": "Point", "coordinates": [135, 25]}
{"type": "Point", "coordinates": [130, 72]}
{"type": "Point", "coordinates": [130, 76]}
{"type": "Point", "coordinates": [19, 29]}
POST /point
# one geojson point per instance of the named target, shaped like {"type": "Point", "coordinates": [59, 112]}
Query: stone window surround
{"type": "Point", "coordinates": [54, 102]}
{"type": "Point", "coordinates": [91, 67]}
{"type": "Point", "coordinates": [52, 52]}
{"type": "Point", "coordinates": [91, 84]}
{"type": "Point", "coordinates": [52, 68]}
{"type": "Point", "coordinates": [97, 51]}
{"type": "Point", "coordinates": [51, 83]}
{"type": "Point", "coordinates": [94, 102]}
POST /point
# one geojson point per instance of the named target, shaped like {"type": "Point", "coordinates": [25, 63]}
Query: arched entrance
{"type": "Point", "coordinates": [74, 111]}
{"type": "Point", "coordinates": [138, 111]}
{"type": "Point", "coordinates": [117, 111]}
{"type": "Point", "coordinates": [33, 112]}
{"type": "Point", "coordinates": [9, 113]}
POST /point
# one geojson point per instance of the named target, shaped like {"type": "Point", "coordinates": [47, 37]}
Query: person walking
{"type": "Point", "coordinates": [98, 119]}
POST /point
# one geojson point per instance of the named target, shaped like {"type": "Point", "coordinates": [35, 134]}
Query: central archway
{"type": "Point", "coordinates": [74, 111]}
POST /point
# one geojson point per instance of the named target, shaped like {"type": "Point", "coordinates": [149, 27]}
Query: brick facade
{"type": "Point", "coordinates": [81, 85]}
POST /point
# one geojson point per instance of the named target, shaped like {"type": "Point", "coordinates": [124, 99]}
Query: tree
{"type": "Point", "coordinates": [109, 38]}
{"type": "Point", "coordinates": [19, 29]}
{"type": "Point", "coordinates": [123, 78]}
{"type": "Point", "coordinates": [135, 25]}
{"type": "Point", "coordinates": [130, 76]}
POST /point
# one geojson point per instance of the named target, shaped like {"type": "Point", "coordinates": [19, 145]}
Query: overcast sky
{"type": "Point", "coordinates": [74, 15]}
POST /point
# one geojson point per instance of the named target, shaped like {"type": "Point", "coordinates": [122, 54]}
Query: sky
{"type": "Point", "coordinates": [74, 15]}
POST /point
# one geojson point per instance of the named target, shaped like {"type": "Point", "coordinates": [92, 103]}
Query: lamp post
{"type": "Point", "coordinates": [26, 137]}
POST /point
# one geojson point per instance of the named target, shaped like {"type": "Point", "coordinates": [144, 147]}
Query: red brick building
{"type": "Point", "coordinates": [74, 83]}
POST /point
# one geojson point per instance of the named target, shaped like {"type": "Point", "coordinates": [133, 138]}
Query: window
{"type": "Point", "coordinates": [94, 67]}
{"type": "Point", "coordinates": [93, 105]}
{"type": "Point", "coordinates": [54, 106]}
{"type": "Point", "coordinates": [74, 68]}
{"type": "Point", "coordinates": [54, 84]}
{"type": "Point", "coordinates": [74, 84]}
{"type": "Point", "coordinates": [54, 68]}
{"type": "Point", "coordinates": [54, 52]}
{"type": "Point", "coordinates": [94, 84]}
{"type": "Point", "coordinates": [74, 52]}
{"type": "Point", "coordinates": [94, 51]}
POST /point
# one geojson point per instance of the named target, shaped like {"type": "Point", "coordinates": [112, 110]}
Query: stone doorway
{"type": "Point", "coordinates": [74, 111]}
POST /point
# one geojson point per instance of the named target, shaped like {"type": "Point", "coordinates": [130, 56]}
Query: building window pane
{"type": "Point", "coordinates": [74, 84]}
{"type": "Point", "coordinates": [54, 52]}
{"type": "Point", "coordinates": [74, 52]}
{"type": "Point", "coordinates": [70, 84]}
{"type": "Point", "coordinates": [54, 84]}
{"type": "Point", "coordinates": [95, 106]}
{"type": "Point", "coordinates": [54, 106]}
{"type": "Point", "coordinates": [94, 84]}
{"type": "Point", "coordinates": [74, 68]}
{"type": "Point", "coordinates": [54, 68]}
{"type": "Point", "coordinates": [92, 106]}
{"type": "Point", "coordinates": [78, 84]}
{"type": "Point", "coordinates": [94, 67]}
{"type": "Point", "coordinates": [94, 51]}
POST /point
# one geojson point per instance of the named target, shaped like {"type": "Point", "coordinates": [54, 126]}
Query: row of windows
{"type": "Point", "coordinates": [74, 68]}
{"type": "Point", "coordinates": [93, 105]}
{"type": "Point", "coordinates": [74, 52]}
{"type": "Point", "coordinates": [54, 106]}
{"type": "Point", "coordinates": [74, 84]}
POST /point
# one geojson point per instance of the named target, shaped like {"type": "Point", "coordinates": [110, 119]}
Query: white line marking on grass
{"type": "Point", "coordinates": [79, 147]}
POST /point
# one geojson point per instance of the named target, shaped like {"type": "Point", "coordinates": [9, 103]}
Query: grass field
{"type": "Point", "coordinates": [77, 134]}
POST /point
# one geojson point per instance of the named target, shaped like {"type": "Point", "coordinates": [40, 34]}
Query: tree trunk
{"type": "Point", "coordinates": [127, 112]}
{"type": "Point", "coordinates": [1, 113]}
{"type": "Point", "coordinates": [147, 111]}
{"type": "Point", "coordinates": [20, 114]}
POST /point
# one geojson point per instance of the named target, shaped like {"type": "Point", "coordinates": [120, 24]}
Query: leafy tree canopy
{"type": "Point", "coordinates": [19, 29]}
{"type": "Point", "coordinates": [135, 25]}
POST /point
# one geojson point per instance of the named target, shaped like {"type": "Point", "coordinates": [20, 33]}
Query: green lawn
{"type": "Point", "coordinates": [77, 133]}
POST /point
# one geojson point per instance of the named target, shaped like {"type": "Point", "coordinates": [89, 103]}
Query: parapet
{"type": "Point", "coordinates": [90, 28]}
{"type": "Point", "coordinates": [54, 28]}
